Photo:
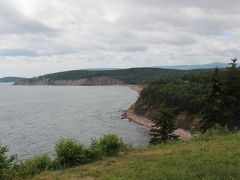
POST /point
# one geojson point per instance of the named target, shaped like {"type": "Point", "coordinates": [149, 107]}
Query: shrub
{"type": "Point", "coordinates": [27, 168]}
{"type": "Point", "coordinates": [93, 153]}
{"type": "Point", "coordinates": [109, 144]}
{"type": "Point", "coordinates": [69, 152]}
{"type": "Point", "coordinates": [33, 165]}
{"type": "Point", "coordinates": [42, 161]}
{"type": "Point", "coordinates": [217, 130]}
{"type": "Point", "coordinates": [212, 132]}
{"type": "Point", "coordinates": [54, 164]}
{"type": "Point", "coordinates": [6, 163]}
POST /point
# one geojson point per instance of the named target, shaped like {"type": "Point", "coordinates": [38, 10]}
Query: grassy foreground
{"type": "Point", "coordinates": [207, 158]}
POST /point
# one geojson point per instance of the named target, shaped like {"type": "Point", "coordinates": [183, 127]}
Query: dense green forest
{"type": "Point", "coordinates": [213, 95]}
{"type": "Point", "coordinates": [128, 76]}
{"type": "Point", "coordinates": [185, 93]}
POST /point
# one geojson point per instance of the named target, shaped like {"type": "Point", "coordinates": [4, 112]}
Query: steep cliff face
{"type": "Point", "coordinates": [93, 81]}
{"type": "Point", "coordinates": [183, 119]}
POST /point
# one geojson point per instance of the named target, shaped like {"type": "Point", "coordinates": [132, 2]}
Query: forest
{"type": "Point", "coordinates": [141, 76]}
{"type": "Point", "coordinates": [214, 95]}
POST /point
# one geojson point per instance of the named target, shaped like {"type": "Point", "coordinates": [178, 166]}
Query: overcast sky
{"type": "Point", "coordinates": [44, 36]}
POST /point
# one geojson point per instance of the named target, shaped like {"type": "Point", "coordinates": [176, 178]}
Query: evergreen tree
{"type": "Point", "coordinates": [163, 130]}
{"type": "Point", "coordinates": [232, 92]}
{"type": "Point", "coordinates": [215, 111]}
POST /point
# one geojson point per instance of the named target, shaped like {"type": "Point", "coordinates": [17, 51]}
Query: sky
{"type": "Point", "coordinates": [45, 36]}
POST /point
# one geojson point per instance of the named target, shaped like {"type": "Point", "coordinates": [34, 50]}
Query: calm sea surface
{"type": "Point", "coordinates": [33, 118]}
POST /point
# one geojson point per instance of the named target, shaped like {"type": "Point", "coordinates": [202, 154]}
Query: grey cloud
{"type": "Point", "coordinates": [133, 49]}
{"type": "Point", "coordinates": [18, 52]}
{"type": "Point", "coordinates": [206, 4]}
{"type": "Point", "coordinates": [200, 17]}
{"type": "Point", "coordinates": [12, 22]}
{"type": "Point", "coordinates": [230, 52]}
{"type": "Point", "coordinates": [61, 35]}
{"type": "Point", "coordinates": [24, 26]}
{"type": "Point", "coordinates": [59, 50]}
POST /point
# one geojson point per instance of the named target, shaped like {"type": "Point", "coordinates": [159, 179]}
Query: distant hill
{"type": "Point", "coordinates": [101, 69]}
{"type": "Point", "coordinates": [198, 66]}
{"type": "Point", "coordinates": [10, 79]}
{"type": "Point", "coordinates": [105, 77]}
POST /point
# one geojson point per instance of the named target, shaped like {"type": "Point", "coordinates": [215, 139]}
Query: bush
{"type": "Point", "coordinates": [6, 163]}
{"type": "Point", "coordinates": [54, 164]}
{"type": "Point", "coordinates": [109, 144]}
{"type": "Point", "coordinates": [69, 152]}
{"type": "Point", "coordinates": [212, 132]}
{"type": "Point", "coordinates": [217, 130]}
{"type": "Point", "coordinates": [42, 161]}
{"type": "Point", "coordinates": [93, 153]}
{"type": "Point", "coordinates": [33, 165]}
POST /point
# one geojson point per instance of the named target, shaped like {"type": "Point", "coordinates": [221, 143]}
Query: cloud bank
{"type": "Point", "coordinates": [41, 36]}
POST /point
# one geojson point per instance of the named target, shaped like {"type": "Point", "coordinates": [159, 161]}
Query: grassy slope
{"type": "Point", "coordinates": [217, 158]}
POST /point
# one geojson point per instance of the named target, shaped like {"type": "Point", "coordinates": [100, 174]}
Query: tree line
{"type": "Point", "coordinates": [223, 99]}
{"type": "Point", "coordinates": [213, 95]}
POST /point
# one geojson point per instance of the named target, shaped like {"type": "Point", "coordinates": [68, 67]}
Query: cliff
{"type": "Point", "coordinates": [92, 81]}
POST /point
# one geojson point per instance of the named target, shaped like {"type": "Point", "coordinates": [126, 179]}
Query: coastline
{"type": "Point", "coordinates": [129, 114]}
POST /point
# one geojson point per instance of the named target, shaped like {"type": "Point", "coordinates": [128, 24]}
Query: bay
{"type": "Point", "coordinates": [34, 118]}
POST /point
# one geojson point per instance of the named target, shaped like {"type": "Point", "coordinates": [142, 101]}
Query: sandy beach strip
{"type": "Point", "coordinates": [132, 116]}
{"type": "Point", "coordinates": [137, 88]}
{"type": "Point", "coordinates": [184, 135]}
{"type": "Point", "coordinates": [140, 120]}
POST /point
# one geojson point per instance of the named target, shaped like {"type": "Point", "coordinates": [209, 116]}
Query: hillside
{"type": "Point", "coordinates": [110, 77]}
{"type": "Point", "coordinates": [10, 79]}
{"type": "Point", "coordinates": [195, 99]}
{"type": "Point", "coordinates": [185, 96]}
{"type": "Point", "coordinates": [208, 158]}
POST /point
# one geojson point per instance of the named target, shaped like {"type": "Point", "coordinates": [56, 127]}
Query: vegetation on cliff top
{"type": "Point", "coordinates": [208, 157]}
{"type": "Point", "coordinates": [127, 76]}
{"type": "Point", "coordinates": [214, 96]}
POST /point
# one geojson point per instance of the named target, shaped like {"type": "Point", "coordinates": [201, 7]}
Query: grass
{"type": "Point", "coordinates": [209, 158]}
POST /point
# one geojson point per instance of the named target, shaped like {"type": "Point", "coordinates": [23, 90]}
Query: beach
{"type": "Point", "coordinates": [183, 134]}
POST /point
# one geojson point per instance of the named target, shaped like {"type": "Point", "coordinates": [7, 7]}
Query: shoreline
{"type": "Point", "coordinates": [140, 120]}
{"type": "Point", "coordinates": [129, 114]}
{"type": "Point", "coordinates": [132, 116]}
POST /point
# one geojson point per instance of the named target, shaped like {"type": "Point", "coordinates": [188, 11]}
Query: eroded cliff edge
{"type": "Point", "coordinates": [91, 81]}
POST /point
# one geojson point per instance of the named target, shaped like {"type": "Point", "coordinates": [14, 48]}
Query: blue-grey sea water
{"type": "Point", "coordinates": [33, 118]}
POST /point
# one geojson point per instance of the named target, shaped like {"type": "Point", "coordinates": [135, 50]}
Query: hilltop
{"type": "Point", "coordinates": [106, 77]}
{"type": "Point", "coordinates": [114, 76]}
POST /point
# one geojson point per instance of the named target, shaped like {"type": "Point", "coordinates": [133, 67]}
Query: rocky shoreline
{"type": "Point", "coordinates": [132, 116]}
{"type": "Point", "coordinates": [183, 134]}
